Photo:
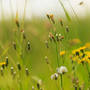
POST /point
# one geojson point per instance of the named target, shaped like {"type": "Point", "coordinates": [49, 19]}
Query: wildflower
{"type": "Point", "coordinates": [2, 63]}
{"type": "Point", "coordinates": [62, 53]}
{"type": "Point", "coordinates": [87, 45]}
{"type": "Point", "coordinates": [74, 41]}
{"type": "Point", "coordinates": [27, 71]}
{"type": "Point", "coordinates": [82, 48]}
{"type": "Point", "coordinates": [62, 70]}
{"type": "Point", "coordinates": [19, 66]}
{"type": "Point", "coordinates": [54, 76]}
{"type": "Point", "coordinates": [82, 61]}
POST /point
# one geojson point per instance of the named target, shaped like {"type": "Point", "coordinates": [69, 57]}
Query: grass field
{"type": "Point", "coordinates": [45, 54]}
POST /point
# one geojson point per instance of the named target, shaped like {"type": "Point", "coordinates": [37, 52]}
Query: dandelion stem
{"type": "Point", "coordinates": [61, 82]}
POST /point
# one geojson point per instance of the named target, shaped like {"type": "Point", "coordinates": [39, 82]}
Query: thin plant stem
{"type": "Point", "coordinates": [61, 82]}
{"type": "Point", "coordinates": [65, 11]}
{"type": "Point", "coordinates": [73, 11]}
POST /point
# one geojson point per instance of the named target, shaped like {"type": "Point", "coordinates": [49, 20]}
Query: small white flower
{"type": "Point", "coordinates": [62, 70]}
{"type": "Point", "coordinates": [54, 76]}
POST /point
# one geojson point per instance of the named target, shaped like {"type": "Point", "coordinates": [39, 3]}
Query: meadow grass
{"type": "Point", "coordinates": [36, 32]}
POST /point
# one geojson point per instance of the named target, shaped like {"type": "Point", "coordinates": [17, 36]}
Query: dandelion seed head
{"type": "Point", "coordinates": [54, 76]}
{"type": "Point", "coordinates": [62, 70]}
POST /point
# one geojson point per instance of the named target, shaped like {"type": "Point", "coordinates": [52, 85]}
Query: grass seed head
{"type": "Point", "coordinates": [12, 70]}
{"type": "Point", "coordinates": [28, 46]}
{"type": "Point", "coordinates": [6, 61]}
{"type": "Point", "coordinates": [19, 66]}
{"type": "Point", "coordinates": [27, 71]}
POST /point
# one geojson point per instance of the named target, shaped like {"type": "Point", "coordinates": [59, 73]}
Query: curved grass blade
{"type": "Point", "coordinates": [65, 11]}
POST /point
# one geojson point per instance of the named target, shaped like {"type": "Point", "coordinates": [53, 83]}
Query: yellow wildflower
{"type": "Point", "coordinates": [87, 45]}
{"type": "Point", "coordinates": [2, 63]}
{"type": "Point", "coordinates": [62, 53]}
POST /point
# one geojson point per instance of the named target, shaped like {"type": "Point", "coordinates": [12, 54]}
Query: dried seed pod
{"type": "Point", "coordinates": [48, 16]}
{"type": "Point", "coordinates": [38, 86]}
{"type": "Point", "coordinates": [61, 22]}
{"type": "Point", "coordinates": [67, 29]}
{"type": "Point", "coordinates": [3, 66]}
{"type": "Point", "coordinates": [6, 61]}
{"type": "Point", "coordinates": [27, 71]}
{"type": "Point", "coordinates": [19, 66]}
{"type": "Point", "coordinates": [81, 3]}
{"type": "Point", "coordinates": [17, 23]}
{"type": "Point", "coordinates": [52, 36]}
{"type": "Point", "coordinates": [12, 70]}
{"type": "Point", "coordinates": [28, 46]}
{"type": "Point", "coordinates": [23, 33]}
{"type": "Point", "coordinates": [14, 45]}
{"type": "Point", "coordinates": [52, 18]}
{"type": "Point", "coordinates": [61, 38]}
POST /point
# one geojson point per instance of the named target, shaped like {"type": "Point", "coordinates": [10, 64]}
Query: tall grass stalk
{"type": "Point", "coordinates": [73, 10]}
{"type": "Point", "coordinates": [65, 11]}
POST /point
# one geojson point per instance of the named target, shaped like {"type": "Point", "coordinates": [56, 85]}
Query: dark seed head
{"type": "Point", "coordinates": [28, 46]}
{"type": "Point", "coordinates": [6, 61]}
{"type": "Point", "coordinates": [3, 66]}
{"type": "Point", "coordinates": [27, 71]}
{"type": "Point", "coordinates": [12, 70]}
{"type": "Point", "coordinates": [14, 45]}
{"type": "Point", "coordinates": [19, 66]}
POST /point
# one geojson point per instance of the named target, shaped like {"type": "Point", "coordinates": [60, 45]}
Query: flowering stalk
{"type": "Point", "coordinates": [61, 82]}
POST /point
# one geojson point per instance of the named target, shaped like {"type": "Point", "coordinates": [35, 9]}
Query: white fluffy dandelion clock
{"type": "Point", "coordinates": [62, 70]}
{"type": "Point", "coordinates": [54, 76]}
